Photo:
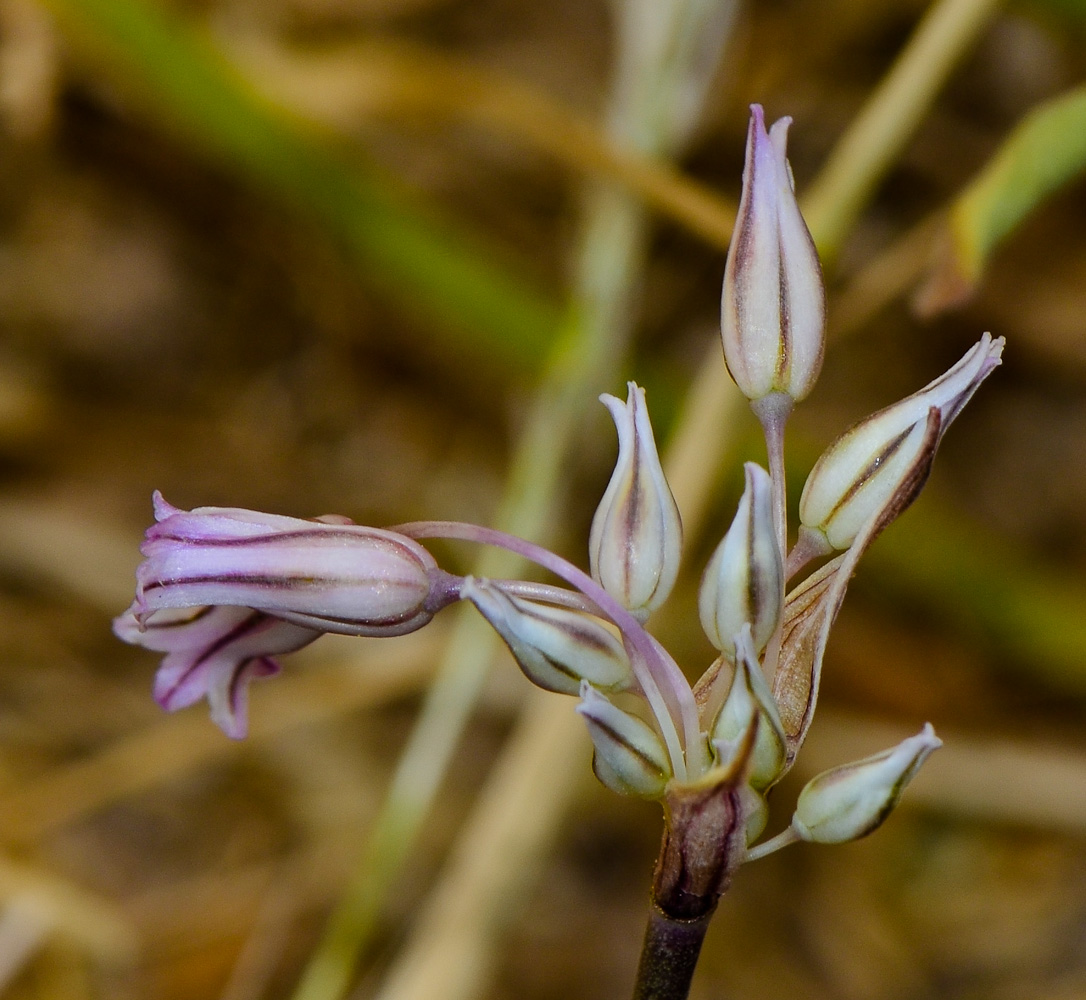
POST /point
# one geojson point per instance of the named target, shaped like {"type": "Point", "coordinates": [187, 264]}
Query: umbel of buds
{"type": "Point", "coordinates": [222, 591]}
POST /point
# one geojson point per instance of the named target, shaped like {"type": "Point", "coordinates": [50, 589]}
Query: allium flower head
{"type": "Point", "coordinates": [222, 590]}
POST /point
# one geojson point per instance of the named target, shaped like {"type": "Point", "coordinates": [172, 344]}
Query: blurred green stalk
{"type": "Point", "coordinates": [1032, 619]}
{"type": "Point", "coordinates": [426, 264]}
{"type": "Point", "coordinates": [1046, 149]}
{"type": "Point", "coordinates": [889, 118]}
{"type": "Point", "coordinates": [589, 354]}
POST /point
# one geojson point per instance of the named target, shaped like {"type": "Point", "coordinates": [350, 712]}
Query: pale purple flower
{"type": "Point", "coordinates": [222, 590]}
{"type": "Point", "coordinates": [333, 577]}
{"type": "Point", "coordinates": [212, 652]}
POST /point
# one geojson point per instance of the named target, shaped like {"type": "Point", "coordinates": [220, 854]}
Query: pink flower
{"type": "Point", "coordinates": [334, 577]}
{"type": "Point", "coordinates": [212, 652]}
{"type": "Point", "coordinates": [222, 590]}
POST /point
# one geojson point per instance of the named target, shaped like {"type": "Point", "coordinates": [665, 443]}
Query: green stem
{"type": "Point", "coordinates": [437, 270]}
{"type": "Point", "coordinates": [588, 351]}
{"type": "Point", "coordinates": [879, 133]}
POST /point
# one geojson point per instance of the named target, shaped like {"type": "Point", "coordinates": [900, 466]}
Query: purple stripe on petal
{"type": "Point", "coordinates": [244, 627]}
{"type": "Point", "coordinates": [222, 590]}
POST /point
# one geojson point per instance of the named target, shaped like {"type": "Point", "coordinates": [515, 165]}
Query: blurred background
{"type": "Point", "coordinates": [378, 258]}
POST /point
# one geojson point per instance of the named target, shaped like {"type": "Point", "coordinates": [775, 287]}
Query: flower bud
{"type": "Point", "coordinates": [756, 810]}
{"type": "Point", "coordinates": [744, 581]}
{"type": "Point", "coordinates": [332, 577]}
{"type": "Point", "coordinates": [212, 652]}
{"type": "Point", "coordinates": [849, 802]}
{"type": "Point", "coordinates": [773, 307]}
{"type": "Point", "coordinates": [636, 537]}
{"type": "Point", "coordinates": [862, 469]}
{"type": "Point", "coordinates": [556, 648]}
{"type": "Point", "coordinates": [750, 702]}
{"type": "Point", "coordinates": [630, 757]}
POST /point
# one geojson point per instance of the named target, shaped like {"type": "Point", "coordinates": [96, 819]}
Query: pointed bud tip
{"type": "Point", "coordinates": [851, 801]}
{"type": "Point", "coordinates": [866, 468]}
{"type": "Point", "coordinates": [556, 648]}
{"type": "Point", "coordinates": [772, 302]}
{"type": "Point", "coordinates": [744, 579]}
{"type": "Point", "coordinates": [635, 542]}
{"type": "Point", "coordinates": [162, 507]}
{"type": "Point", "coordinates": [630, 757]}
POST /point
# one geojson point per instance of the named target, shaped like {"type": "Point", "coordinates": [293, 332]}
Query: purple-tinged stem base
{"type": "Point", "coordinates": [669, 956]}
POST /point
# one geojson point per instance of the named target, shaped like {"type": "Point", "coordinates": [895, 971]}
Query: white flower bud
{"type": "Point", "coordinates": [750, 702]}
{"type": "Point", "coordinates": [863, 469]}
{"type": "Point", "coordinates": [636, 538]}
{"type": "Point", "coordinates": [744, 581]}
{"type": "Point", "coordinates": [555, 647]}
{"type": "Point", "coordinates": [773, 307]}
{"type": "Point", "coordinates": [850, 802]}
{"type": "Point", "coordinates": [630, 757]}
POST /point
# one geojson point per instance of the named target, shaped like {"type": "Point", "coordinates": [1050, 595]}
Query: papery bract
{"type": "Point", "coordinates": [773, 308]}
{"type": "Point", "coordinates": [636, 539]}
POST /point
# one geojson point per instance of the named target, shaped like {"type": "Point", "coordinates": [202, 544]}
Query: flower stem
{"type": "Point", "coordinates": [772, 412]}
{"type": "Point", "coordinates": [665, 688]}
{"type": "Point", "coordinates": [669, 955]}
{"type": "Point", "coordinates": [787, 836]}
{"type": "Point", "coordinates": [810, 545]}
{"type": "Point", "coordinates": [546, 594]}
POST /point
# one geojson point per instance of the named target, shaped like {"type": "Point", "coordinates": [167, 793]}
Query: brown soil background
{"type": "Point", "coordinates": [165, 325]}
